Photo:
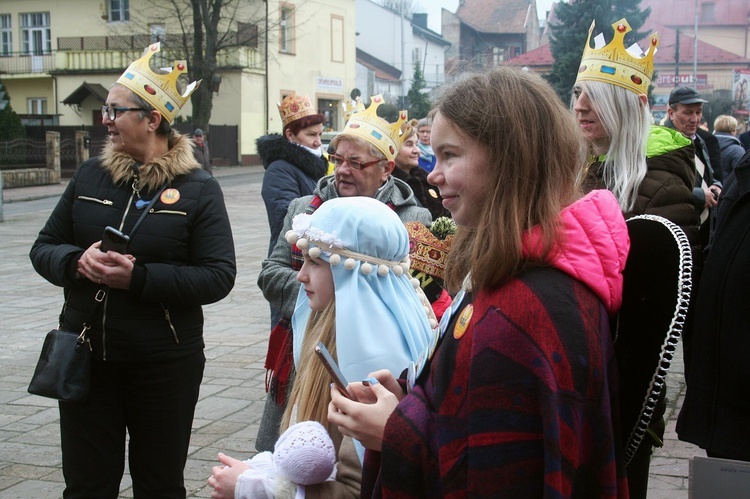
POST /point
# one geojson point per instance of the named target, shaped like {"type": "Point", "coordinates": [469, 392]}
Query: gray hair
{"type": "Point", "coordinates": [627, 122]}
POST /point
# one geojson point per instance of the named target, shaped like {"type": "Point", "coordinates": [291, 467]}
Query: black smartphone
{"type": "Point", "coordinates": [333, 370]}
{"type": "Point", "coordinates": [114, 240]}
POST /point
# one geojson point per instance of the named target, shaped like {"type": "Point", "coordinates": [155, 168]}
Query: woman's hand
{"type": "Point", "coordinates": [224, 478]}
{"type": "Point", "coordinates": [365, 420]}
{"type": "Point", "coordinates": [110, 268]}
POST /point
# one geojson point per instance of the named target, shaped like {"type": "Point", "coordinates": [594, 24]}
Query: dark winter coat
{"type": "Point", "coordinates": [702, 151]}
{"type": "Point", "coordinates": [667, 188]}
{"type": "Point", "coordinates": [715, 412]}
{"type": "Point", "coordinates": [203, 157]}
{"type": "Point", "coordinates": [427, 194]}
{"type": "Point", "coordinates": [184, 253]}
{"type": "Point", "coordinates": [731, 152]}
{"type": "Point", "coordinates": [291, 172]}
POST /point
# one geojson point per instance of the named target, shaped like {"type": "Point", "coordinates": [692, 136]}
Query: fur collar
{"type": "Point", "coordinates": [275, 147]}
{"type": "Point", "coordinates": [179, 160]}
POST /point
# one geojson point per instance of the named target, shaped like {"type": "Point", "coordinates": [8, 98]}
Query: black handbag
{"type": "Point", "coordinates": [63, 371]}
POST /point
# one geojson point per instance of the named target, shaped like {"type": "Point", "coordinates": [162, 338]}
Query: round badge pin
{"type": "Point", "coordinates": [462, 323]}
{"type": "Point", "coordinates": [170, 196]}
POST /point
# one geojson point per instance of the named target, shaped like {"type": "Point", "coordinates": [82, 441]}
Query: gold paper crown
{"type": "Point", "coordinates": [613, 64]}
{"type": "Point", "coordinates": [367, 125]}
{"type": "Point", "coordinates": [159, 90]}
{"type": "Point", "coordinates": [428, 254]}
{"type": "Point", "coordinates": [295, 107]}
{"type": "Point", "coordinates": [352, 107]}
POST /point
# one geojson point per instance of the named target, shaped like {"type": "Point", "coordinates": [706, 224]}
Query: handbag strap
{"type": "Point", "coordinates": [98, 300]}
{"type": "Point", "coordinates": [148, 209]}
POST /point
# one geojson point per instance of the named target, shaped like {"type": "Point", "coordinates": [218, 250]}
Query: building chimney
{"type": "Point", "coordinates": [419, 20]}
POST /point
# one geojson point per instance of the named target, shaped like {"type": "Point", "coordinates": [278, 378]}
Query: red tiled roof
{"type": "Point", "coordinates": [382, 70]}
{"type": "Point", "coordinates": [682, 12]}
{"type": "Point", "coordinates": [497, 16]}
{"type": "Point", "coordinates": [707, 54]}
{"type": "Point", "coordinates": [541, 56]}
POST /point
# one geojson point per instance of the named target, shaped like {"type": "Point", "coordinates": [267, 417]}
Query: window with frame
{"type": "Point", "coordinates": [416, 55]}
{"type": "Point", "coordinates": [707, 11]}
{"type": "Point", "coordinates": [499, 55]}
{"type": "Point", "coordinates": [36, 105]}
{"type": "Point", "coordinates": [286, 29]}
{"type": "Point", "coordinates": [6, 35]}
{"type": "Point", "coordinates": [119, 10]}
{"type": "Point", "coordinates": [337, 38]}
{"type": "Point", "coordinates": [35, 33]}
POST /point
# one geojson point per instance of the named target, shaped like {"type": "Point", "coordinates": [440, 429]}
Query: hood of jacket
{"type": "Point", "coordinates": [662, 140]}
{"type": "Point", "coordinates": [594, 248]}
{"type": "Point", "coordinates": [727, 139]}
{"type": "Point", "coordinates": [393, 191]}
{"type": "Point", "coordinates": [275, 147]}
{"type": "Point", "coordinates": [178, 160]}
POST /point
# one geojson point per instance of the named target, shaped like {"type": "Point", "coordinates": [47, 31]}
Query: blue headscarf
{"type": "Point", "coordinates": [381, 320]}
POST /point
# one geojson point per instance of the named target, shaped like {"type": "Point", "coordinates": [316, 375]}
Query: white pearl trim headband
{"type": "Point", "coordinates": [302, 234]}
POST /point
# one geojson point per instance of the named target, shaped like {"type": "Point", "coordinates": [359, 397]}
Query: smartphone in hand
{"type": "Point", "coordinates": [114, 240]}
{"type": "Point", "coordinates": [333, 369]}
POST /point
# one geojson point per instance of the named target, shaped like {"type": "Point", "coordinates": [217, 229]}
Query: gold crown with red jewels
{"type": "Point", "coordinates": [295, 107]}
{"type": "Point", "coordinates": [159, 90]}
{"type": "Point", "coordinates": [614, 64]}
{"type": "Point", "coordinates": [367, 125]}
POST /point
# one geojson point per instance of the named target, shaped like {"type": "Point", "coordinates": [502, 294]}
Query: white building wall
{"type": "Point", "coordinates": [379, 34]}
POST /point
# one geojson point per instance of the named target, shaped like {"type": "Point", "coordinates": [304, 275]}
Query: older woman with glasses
{"type": "Point", "coordinates": [364, 161]}
{"type": "Point", "coordinates": [147, 332]}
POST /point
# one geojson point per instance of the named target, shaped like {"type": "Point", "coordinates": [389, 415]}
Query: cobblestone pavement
{"type": "Point", "coordinates": [236, 333]}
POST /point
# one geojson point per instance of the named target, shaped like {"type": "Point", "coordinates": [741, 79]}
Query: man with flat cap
{"type": "Point", "coordinates": [684, 115]}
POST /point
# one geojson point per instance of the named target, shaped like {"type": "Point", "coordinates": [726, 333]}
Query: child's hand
{"type": "Point", "coordinates": [365, 420]}
{"type": "Point", "coordinates": [224, 478]}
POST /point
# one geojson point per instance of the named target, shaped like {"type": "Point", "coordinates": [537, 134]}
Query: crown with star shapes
{"type": "Point", "coordinates": [629, 68]}
{"type": "Point", "coordinates": [159, 90]}
{"type": "Point", "coordinates": [367, 125]}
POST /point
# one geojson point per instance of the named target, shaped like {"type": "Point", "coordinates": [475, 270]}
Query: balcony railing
{"type": "Point", "coordinates": [103, 53]}
{"type": "Point", "coordinates": [23, 63]}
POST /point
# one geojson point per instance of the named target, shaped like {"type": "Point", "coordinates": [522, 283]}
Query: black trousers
{"type": "Point", "coordinates": [154, 403]}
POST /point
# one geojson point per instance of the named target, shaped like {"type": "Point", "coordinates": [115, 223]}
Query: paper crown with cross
{"type": "Point", "coordinates": [627, 68]}
{"type": "Point", "coordinates": [159, 90]}
{"type": "Point", "coordinates": [367, 125]}
{"type": "Point", "coordinates": [295, 107]}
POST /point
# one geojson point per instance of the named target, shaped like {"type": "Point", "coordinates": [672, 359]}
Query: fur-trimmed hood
{"type": "Point", "coordinates": [179, 160]}
{"type": "Point", "coordinates": [275, 147]}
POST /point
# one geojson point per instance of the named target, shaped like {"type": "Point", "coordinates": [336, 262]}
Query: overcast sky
{"type": "Point", "coordinates": [433, 8]}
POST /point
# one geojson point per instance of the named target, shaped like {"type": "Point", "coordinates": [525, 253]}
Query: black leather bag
{"type": "Point", "coordinates": [63, 371]}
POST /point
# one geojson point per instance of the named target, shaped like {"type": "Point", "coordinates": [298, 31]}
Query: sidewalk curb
{"type": "Point", "coordinates": [16, 194]}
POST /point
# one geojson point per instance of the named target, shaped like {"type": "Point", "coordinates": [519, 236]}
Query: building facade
{"type": "Point", "coordinates": [58, 59]}
{"type": "Point", "coordinates": [391, 47]}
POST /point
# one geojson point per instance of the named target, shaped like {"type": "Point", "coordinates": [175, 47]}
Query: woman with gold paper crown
{"type": "Point", "coordinates": [649, 168]}
{"type": "Point", "coordinates": [293, 161]}
{"type": "Point", "coordinates": [147, 325]}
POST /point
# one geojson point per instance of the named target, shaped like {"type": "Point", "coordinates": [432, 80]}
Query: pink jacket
{"type": "Point", "coordinates": [595, 246]}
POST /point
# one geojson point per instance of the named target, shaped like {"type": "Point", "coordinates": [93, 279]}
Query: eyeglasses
{"type": "Point", "coordinates": [353, 164]}
{"type": "Point", "coordinates": [111, 112]}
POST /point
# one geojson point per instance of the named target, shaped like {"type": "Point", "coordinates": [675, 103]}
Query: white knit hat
{"type": "Point", "coordinates": [304, 454]}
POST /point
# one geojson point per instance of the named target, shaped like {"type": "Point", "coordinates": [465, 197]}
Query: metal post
{"type": "Point", "coordinates": [1, 197]}
{"type": "Point", "coordinates": [695, 49]}
{"type": "Point", "coordinates": [403, 58]}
